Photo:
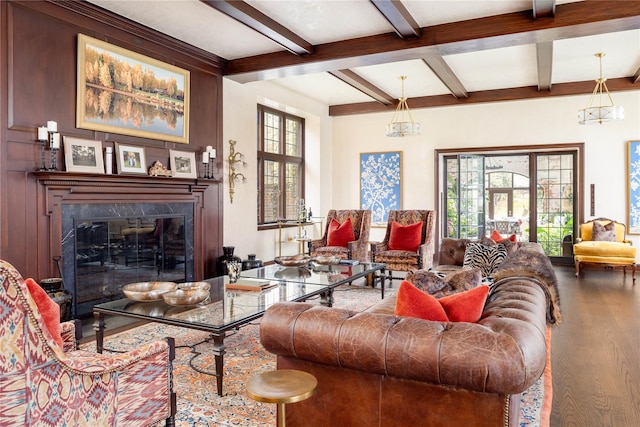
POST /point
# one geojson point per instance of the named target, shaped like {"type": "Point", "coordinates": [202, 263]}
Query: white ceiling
{"type": "Point", "coordinates": [326, 21]}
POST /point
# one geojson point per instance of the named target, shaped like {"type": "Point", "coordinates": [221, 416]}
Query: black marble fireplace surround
{"type": "Point", "coordinates": [105, 246]}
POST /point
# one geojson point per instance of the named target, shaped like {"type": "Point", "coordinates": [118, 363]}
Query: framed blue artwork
{"type": "Point", "coordinates": [381, 184]}
{"type": "Point", "coordinates": [633, 188]}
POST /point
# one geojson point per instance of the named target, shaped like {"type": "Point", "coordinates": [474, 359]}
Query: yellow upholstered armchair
{"type": "Point", "coordinates": [45, 381]}
{"type": "Point", "coordinates": [603, 241]}
{"type": "Point", "coordinates": [357, 249]}
{"type": "Point", "coordinates": [394, 249]}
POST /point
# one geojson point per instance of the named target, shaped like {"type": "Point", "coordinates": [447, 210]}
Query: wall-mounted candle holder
{"type": "Point", "coordinates": [234, 157]}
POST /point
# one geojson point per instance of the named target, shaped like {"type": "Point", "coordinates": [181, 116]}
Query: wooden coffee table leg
{"type": "Point", "coordinates": [98, 326]}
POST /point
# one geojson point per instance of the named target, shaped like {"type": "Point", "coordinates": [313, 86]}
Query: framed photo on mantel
{"type": "Point", "coordinates": [83, 155]}
{"type": "Point", "coordinates": [130, 159]}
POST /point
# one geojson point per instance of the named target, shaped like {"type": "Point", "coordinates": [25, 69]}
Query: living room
{"type": "Point", "coordinates": [333, 146]}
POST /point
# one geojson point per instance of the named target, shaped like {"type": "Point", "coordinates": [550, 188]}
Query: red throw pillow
{"type": "Point", "coordinates": [412, 302]}
{"type": "Point", "coordinates": [464, 306]}
{"type": "Point", "coordinates": [340, 234]}
{"type": "Point", "coordinates": [497, 237]}
{"type": "Point", "coordinates": [405, 237]}
{"type": "Point", "coordinates": [49, 310]}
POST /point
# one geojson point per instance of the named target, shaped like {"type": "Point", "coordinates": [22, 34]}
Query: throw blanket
{"type": "Point", "coordinates": [530, 261]}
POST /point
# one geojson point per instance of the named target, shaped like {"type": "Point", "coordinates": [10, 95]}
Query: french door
{"type": "Point", "coordinates": [533, 195]}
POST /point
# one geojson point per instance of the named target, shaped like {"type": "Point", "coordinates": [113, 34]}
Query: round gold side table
{"type": "Point", "coordinates": [282, 386]}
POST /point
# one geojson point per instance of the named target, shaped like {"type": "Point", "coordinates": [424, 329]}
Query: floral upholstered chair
{"type": "Point", "coordinates": [603, 241]}
{"type": "Point", "coordinates": [45, 381]}
{"type": "Point", "coordinates": [408, 242]}
{"type": "Point", "coordinates": [346, 235]}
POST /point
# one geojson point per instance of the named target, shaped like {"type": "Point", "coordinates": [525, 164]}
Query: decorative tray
{"type": "Point", "coordinates": [293, 261]}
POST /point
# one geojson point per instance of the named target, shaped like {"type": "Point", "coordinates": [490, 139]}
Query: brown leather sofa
{"type": "Point", "coordinates": [378, 369]}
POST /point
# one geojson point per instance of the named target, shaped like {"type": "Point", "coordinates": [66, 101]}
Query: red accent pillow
{"type": "Point", "coordinates": [405, 237]}
{"type": "Point", "coordinates": [340, 234]}
{"type": "Point", "coordinates": [49, 310]}
{"type": "Point", "coordinates": [412, 302]}
{"type": "Point", "coordinates": [464, 306]}
{"type": "Point", "coordinates": [497, 237]}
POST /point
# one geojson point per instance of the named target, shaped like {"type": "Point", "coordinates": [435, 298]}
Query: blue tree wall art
{"type": "Point", "coordinates": [380, 184]}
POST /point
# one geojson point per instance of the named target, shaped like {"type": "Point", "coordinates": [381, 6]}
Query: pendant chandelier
{"type": "Point", "coordinates": [402, 123]}
{"type": "Point", "coordinates": [600, 113]}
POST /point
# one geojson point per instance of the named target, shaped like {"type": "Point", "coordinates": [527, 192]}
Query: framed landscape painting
{"type": "Point", "coordinates": [633, 188]}
{"type": "Point", "coordinates": [381, 184]}
{"type": "Point", "coordinates": [123, 92]}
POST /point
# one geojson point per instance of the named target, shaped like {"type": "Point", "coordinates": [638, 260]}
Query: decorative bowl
{"type": "Point", "coordinates": [293, 261]}
{"type": "Point", "coordinates": [147, 291]}
{"type": "Point", "coordinates": [327, 260]}
{"type": "Point", "coordinates": [189, 293]}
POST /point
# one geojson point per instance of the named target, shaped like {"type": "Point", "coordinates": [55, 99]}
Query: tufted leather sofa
{"type": "Point", "coordinates": [378, 369]}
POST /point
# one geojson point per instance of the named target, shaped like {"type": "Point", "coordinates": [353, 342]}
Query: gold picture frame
{"type": "Point", "coordinates": [114, 97]}
{"type": "Point", "coordinates": [83, 155]}
{"type": "Point", "coordinates": [183, 164]}
{"type": "Point", "coordinates": [130, 159]}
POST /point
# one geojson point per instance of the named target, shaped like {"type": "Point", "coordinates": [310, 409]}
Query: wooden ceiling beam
{"type": "Point", "coordinates": [576, 19]}
{"type": "Point", "coordinates": [544, 56]}
{"type": "Point", "coordinates": [446, 75]}
{"type": "Point", "coordinates": [511, 94]}
{"type": "Point", "coordinates": [364, 86]}
{"type": "Point", "coordinates": [258, 21]}
{"type": "Point", "coordinates": [399, 17]}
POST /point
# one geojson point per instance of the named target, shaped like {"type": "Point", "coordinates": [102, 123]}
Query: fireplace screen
{"type": "Point", "coordinates": [111, 253]}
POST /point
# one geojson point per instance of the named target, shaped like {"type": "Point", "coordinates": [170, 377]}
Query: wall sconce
{"type": "Point", "coordinates": [49, 133]}
{"type": "Point", "coordinates": [234, 157]}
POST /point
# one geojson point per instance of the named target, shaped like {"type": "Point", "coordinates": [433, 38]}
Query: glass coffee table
{"type": "Point", "coordinates": [329, 276]}
{"type": "Point", "coordinates": [225, 310]}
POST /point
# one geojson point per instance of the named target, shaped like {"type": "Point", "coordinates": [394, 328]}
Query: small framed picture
{"type": "Point", "coordinates": [131, 159]}
{"type": "Point", "coordinates": [183, 164]}
{"type": "Point", "coordinates": [83, 155]}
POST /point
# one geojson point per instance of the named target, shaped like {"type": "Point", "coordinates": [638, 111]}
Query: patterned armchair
{"type": "Point", "coordinates": [357, 249]}
{"type": "Point", "coordinates": [603, 241]}
{"type": "Point", "coordinates": [403, 260]}
{"type": "Point", "coordinates": [43, 384]}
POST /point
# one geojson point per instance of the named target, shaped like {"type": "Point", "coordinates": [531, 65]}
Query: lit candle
{"type": "Point", "coordinates": [205, 157]}
{"type": "Point", "coordinates": [212, 153]}
{"type": "Point", "coordinates": [43, 133]}
{"type": "Point", "coordinates": [55, 140]}
{"type": "Point", "coordinates": [52, 126]}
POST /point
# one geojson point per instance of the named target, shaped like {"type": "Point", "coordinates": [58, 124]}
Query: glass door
{"type": "Point", "coordinates": [472, 196]}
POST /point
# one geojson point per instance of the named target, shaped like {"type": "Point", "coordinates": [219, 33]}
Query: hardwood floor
{"type": "Point", "coordinates": [595, 351]}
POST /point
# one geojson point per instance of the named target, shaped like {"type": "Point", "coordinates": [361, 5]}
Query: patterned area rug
{"type": "Point", "coordinates": [198, 402]}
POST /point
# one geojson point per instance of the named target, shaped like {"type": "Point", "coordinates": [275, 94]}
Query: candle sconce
{"type": "Point", "coordinates": [234, 157]}
{"type": "Point", "coordinates": [49, 134]}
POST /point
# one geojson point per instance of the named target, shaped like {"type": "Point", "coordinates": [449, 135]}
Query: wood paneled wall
{"type": "Point", "coordinates": [38, 60]}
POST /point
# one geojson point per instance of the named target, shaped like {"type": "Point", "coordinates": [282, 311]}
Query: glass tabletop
{"type": "Point", "coordinates": [325, 275]}
{"type": "Point", "coordinates": [224, 309]}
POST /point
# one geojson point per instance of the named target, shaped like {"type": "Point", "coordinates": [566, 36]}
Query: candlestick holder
{"type": "Point", "coordinates": [54, 159]}
{"type": "Point", "coordinates": [43, 164]}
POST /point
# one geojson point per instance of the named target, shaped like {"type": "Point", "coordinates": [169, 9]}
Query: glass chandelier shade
{"type": "Point", "coordinates": [402, 123]}
{"type": "Point", "coordinates": [600, 113]}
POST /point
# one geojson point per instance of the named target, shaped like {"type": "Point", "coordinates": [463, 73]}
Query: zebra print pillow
{"type": "Point", "coordinates": [486, 258]}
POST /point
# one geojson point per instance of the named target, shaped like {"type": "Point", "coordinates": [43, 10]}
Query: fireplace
{"type": "Point", "coordinates": [108, 245]}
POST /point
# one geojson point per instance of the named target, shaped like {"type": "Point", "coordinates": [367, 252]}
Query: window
{"type": "Point", "coordinates": [280, 165]}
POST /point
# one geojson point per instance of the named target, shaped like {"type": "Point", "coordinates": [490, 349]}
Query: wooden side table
{"type": "Point", "coordinates": [282, 386]}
